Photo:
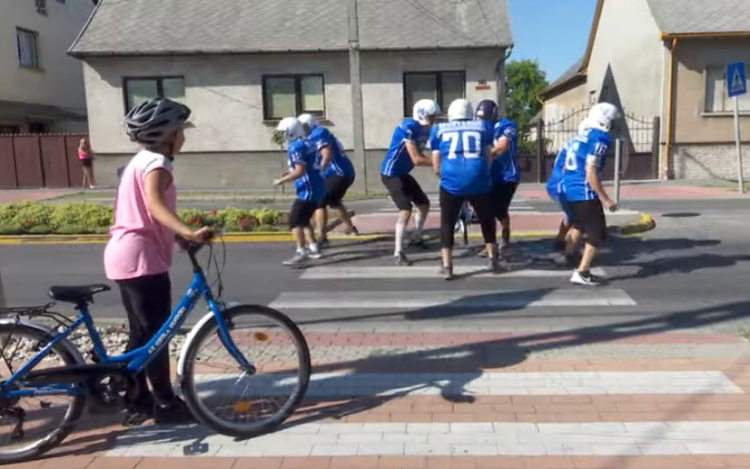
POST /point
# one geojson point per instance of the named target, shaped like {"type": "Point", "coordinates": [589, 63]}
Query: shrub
{"type": "Point", "coordinates": [88, 218]}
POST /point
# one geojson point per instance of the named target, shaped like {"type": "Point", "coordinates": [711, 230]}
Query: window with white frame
{"type": "Point", "coordinates": [28, 49]}
{"type": "Point", "coordinates": [717, 99]}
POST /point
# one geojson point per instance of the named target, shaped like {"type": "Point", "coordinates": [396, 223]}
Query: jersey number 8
{"type": "Point", "coordinates": [471, 144]}
{"type": "Point", "coordinates": [571, 164]}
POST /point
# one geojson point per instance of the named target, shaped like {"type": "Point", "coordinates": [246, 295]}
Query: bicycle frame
{"type": "Point", "coordinates": [135, 360]}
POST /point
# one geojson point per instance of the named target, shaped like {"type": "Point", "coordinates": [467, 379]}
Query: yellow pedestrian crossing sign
{"type": "Point", "coordinates": [736, 79]}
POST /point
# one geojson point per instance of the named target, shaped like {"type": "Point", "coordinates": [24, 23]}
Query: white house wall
{"type": "Point", "coordinates": [627, 41]}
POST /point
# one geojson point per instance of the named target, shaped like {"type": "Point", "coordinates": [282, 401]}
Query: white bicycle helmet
{"type": "Point", "coordinates": [151, 123]}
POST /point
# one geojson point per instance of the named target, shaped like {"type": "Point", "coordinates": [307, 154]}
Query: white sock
{"type": "Point", "coordinates": [400, 228]}
{"type": "Point", "coordinates": [313, 247]}
{"type": "Point", "coordinates": [419, 221]}
{"type": "Point", "coordinates": [301, 251]}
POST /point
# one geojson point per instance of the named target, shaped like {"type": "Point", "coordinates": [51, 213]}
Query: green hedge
{"type": "Point", "coordinates": [90, 218]}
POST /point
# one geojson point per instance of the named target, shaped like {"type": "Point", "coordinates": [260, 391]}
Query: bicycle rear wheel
{"type": "Point", "coordinates": [231, 402]}
{"type": "Point", "coordinates": [22, 342]}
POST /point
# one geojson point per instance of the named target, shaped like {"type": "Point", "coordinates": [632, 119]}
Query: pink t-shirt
{"type": "Point", "coordinates": [139, 245]}
{"type": "Point", "coordinates": [82, 155]}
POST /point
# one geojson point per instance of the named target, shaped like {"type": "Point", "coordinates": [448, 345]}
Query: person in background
{"type": "Point", "coordinates": [304, 171]}
{"type": "Point", "coordinates": [461, 159]}
{"type": "Point", "coordinates": [585, 158]}
{"type": "Point", "coordinates": [405, 152]}
{"type": "Point", "coordinates": [338, 173]}
{"type": "Point", "coordinates": [505, 173]}
{"type": "Point", "coordinates": [86, 156]}
{"type": "Point", "coordinates": [138, 255]}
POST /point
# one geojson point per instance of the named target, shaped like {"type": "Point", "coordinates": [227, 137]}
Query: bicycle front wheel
{"type": "Point", "coordinates": [232, 401]}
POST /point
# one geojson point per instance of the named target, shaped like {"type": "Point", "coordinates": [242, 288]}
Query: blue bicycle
{"type": "Point", "coordinates": [219, 383]}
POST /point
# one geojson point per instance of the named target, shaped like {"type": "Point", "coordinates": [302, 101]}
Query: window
{"type": "Point", "coordinates": [139, 90]}
{"type": "Point", "coordinates": [717, 99]}
{"type": "Point", "coordinates": [292, 95]}
{"type": "Point", "coordinates": [41, 6]}
{"type": "Point", "coordinates": [38, 128]}
{"type": "Point", "coordinates": [28, 52]}
{"type": "Point", "coordinates": [443, 87]}
{"type": "Point", "coordinates": [9, 129]}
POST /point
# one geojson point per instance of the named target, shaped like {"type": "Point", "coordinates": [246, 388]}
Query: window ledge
{"type": "Point", "coordinates": [275, 122]}
{"type": "Point", "coordinates": [724, 114]}
{"type": "Point", "coordinates": [31, 68]}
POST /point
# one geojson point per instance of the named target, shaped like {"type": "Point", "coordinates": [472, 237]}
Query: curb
{"type": "Point", "coordinates": [645, 224]}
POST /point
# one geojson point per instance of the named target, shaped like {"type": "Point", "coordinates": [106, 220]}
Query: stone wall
{"type": "Point", "coordinates": [711, 161]}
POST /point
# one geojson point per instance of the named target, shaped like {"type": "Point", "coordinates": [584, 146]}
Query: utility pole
{"type": "Point", "coordinates": [355, 77]}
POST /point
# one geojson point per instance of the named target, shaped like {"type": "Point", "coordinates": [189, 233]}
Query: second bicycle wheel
{"type": "Point", "coordinates": [232, 402]}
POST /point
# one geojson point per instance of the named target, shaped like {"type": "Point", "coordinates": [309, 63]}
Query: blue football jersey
{"type": "Point", "coordinates": [311, 185]}
{"type": "Point", "coordinates": [554, 183]}
{"type": "Point", "coordinates": [505, 167]}
{"type": "Point", "coordinates": [464, 162]}
{"type": "Point", "coordinates": [398, 162]}
{"type": "Point", "coordinates": [340, 163]}
{"type": "Point", "coordinates": [592, 146]}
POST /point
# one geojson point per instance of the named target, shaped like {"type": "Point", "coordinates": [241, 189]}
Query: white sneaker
{"type": "Point", "coordinates": [584, 279]}
{"type": "Point", "coordinates": [299, 258]}
{"type": "Point", "coordinates": [314, 253]}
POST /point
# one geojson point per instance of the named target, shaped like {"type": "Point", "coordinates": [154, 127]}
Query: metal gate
{"type": "Point", "coordinates": [640, 150]}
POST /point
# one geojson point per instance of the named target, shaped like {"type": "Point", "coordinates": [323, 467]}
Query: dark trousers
{"type": "Point", "coordinates": [148, 303]}
{"type": "Point", "coordinates": [450, 208]}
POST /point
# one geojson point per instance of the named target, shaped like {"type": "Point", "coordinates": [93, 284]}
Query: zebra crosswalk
{"type": "Point", "coordinates": [518, 205]}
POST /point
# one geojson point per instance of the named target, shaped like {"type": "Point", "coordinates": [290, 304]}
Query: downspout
{"type": "Point", "coordinates": [499, 80]}
{"type": "Point", "coordinates": [670, 109]}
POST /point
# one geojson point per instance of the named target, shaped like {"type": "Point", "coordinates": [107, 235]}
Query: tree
{"type": "Point", "coordinates": [524, 80]}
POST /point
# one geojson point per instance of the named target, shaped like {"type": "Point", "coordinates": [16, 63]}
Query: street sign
{"type": "Point", "coordinates": [736, 79]}
{"type": "Point", "coordinates": [737, 86]}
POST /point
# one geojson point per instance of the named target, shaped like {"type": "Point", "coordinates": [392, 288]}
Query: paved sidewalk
{"type": "Point", "coordinates": [669, 190]}
{"type": "Point", "coordinates": [471, 398]}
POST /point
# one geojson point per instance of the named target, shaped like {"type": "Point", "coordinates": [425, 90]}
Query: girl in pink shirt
{"type": "Point", "coordinates": [86, 157]}
{"type": "Point", "coordinates": [139, 253]}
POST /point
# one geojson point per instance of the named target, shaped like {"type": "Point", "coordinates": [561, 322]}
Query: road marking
{"type": "Point", "coordinates": [455, 439]}
{"type": "Point", "coordinates": [584, 383]}
{"type": "Point", "coordinates": [395, 272]}
{"type": "Point", "coordinates": [452, 299]}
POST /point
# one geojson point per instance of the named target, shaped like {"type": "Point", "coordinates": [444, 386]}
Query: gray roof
{"type": "Point", "coordinates": [125, 27]}
{"type": "Point", "coordinates": [569, 74]}
{"type": "Point", "coordinates": [701, 16]}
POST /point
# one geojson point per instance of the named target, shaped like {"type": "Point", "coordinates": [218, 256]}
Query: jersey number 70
{"type": "Point", "coordinates": [471, 144]}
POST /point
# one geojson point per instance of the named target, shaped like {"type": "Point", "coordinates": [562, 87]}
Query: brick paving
{"type": "Point", "coordinates": [487, 408]}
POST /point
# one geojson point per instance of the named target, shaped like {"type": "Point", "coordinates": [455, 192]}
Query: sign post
{"type": "Point", "coordinates": [737, 86]}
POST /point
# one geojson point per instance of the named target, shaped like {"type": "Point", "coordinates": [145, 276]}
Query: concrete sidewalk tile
{"type": "Point", "coordinates": [68, 462]}
{"type": "Point", "coordinates": [258, 463]}
{"type": "Point", "coordinates": [357, 438]}
{"type": "Point", "coordinates": [474, 449]}
{"type": "Point", "coordinates": [427, 428]}
{"type": "Point", "coordinates": [335, 450]}
{"type": "Point", "coordinates": [306, 463]}
{"type": "Point", "coordinates": [414, 438]}
{"type": "Point", "coordinates": [427, 449]}
{"type": "Point", "coordinates": [382, 449]}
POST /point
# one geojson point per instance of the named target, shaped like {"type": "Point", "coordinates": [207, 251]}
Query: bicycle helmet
{"type": "Point", "coordinates": [151, 122]}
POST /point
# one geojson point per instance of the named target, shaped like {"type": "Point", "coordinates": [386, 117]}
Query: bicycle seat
{"type": "Point", "coordinates": [77, 295]}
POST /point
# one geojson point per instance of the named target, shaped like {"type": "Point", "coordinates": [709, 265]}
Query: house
{"type": "Point", "coordinates": [242, 66]}
{"type": "Point", "coordinates": [664, 59]}
{"type": "Point", "coordinates": [41, 87]}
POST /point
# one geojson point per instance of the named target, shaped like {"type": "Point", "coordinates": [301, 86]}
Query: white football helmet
{"type": "Point", "coordinates": [308, 121]}
{"type": "Point", "coordinates": [292, 129]}
{"type": "Point", "coordinates": [460, 109]}
{"type": "Point", "coordinates": [424, 109]}
{"type": "Point", "coordinates": [602, 115]}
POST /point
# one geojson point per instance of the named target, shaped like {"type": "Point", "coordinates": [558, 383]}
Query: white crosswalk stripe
{"type": "Point", "coordinates": [517, 205]}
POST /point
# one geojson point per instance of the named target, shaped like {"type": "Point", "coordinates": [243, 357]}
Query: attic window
{"type": "Point", "coordinates": [41, 6]}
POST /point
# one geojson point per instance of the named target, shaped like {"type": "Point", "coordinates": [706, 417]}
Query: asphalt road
{"type": "Point", "coordinates": [691, 271]}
